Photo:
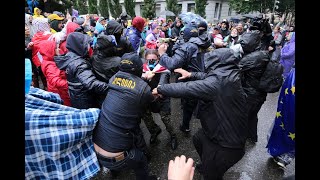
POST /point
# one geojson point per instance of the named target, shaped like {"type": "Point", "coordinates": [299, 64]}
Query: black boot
{"type": "Point", "coordinates": [173, 142]}
{"type": "Point", "coordinates": [154, 136]}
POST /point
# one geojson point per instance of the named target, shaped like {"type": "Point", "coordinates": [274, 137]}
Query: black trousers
{"type": "Point", "coordinates": [189, 106]}
{"type": "Point", "coordinates": [216, 160]}
{"type": "Point", "coordinates": [254, 105]}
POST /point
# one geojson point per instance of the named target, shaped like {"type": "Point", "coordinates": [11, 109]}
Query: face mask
{"type": "Point", "coordinates": [201, 31]}
{"type": "Point", "coordinates": [152, 63]}
{"type": "Point", "coordinates": [223, 28]}
{"type": "Point", "coordinates": [233, 35]}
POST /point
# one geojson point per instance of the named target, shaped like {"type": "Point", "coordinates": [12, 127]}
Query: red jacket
{"type": "Point", "coordinates": [56, 78]}
{"type": "Point", "coordinates": [37, 38]}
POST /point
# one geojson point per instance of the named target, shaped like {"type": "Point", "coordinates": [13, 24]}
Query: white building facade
{"type": "Point", "coordinates": [216, 10]}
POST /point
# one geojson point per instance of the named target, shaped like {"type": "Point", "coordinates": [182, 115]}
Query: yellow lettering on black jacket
{"type": "Point", "coordinates": [124, 82]}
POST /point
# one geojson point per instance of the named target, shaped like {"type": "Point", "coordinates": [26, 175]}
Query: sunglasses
{"type": "Point", "coordinates": [152, 60]}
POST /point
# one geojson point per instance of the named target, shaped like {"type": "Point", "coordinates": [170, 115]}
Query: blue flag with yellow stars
{"type": "Point", "coordinates": [282, 138]}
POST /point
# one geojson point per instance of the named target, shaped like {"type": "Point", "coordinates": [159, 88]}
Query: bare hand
{"type": "Point", "coordinates": [30, 45]}
{"type": "Point", "coordinates": [185, 74]}
{"type": "Point", "coordinates": [68, 16]}
{"type": "Point", "coordinates": [155, 93]}
{"type": "Point", "coordinates": [149, 75]}
{"type": "Point", "coordinates": [162, 48]}
{"type": "Point", "coordinates": [270, 48]}
{"type": "Point", "coordinates": [179, 169]}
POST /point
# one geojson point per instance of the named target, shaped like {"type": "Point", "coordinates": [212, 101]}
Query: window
{"type": "Point", "coordinates": [180, 8]}
{"type": "Point", "coordinates": [141, 9]}
{"type": "Point", "coordinates": [191, 7]}
{"type": "Point", "coordinates": [216, 10]}
{"type": "Point", "coordinates": [220, 11]}
{"type": "Point", "coordinates": [229, 11]}
{"type": "Point", "coordinates": [158, 8]}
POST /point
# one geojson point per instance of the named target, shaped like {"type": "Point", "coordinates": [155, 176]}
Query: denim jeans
{"type": "Point", "coordinates": [135, 160]}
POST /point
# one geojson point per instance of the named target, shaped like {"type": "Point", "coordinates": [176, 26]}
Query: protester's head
{"type": "Point", "coordinates": [79, 44]}
{"type": "Point", "coordinates": [164, 27]}
{"type": "Point", "coordinates": [190, 32]}
{"type": "Point", "coordinates": [250, 41]}
{"type": "Point", "coordinates": [178, 23]}
{"type": "Point", "coordinates": [102, 21]}
{"type": "Point", "coordinates": [155, 28]}
{"type": "Point", "coordinates": [216, 30]}
{"type": "Point", "coordinates": [224, 25]}
{"type": "Point", "coordinates": [202, 27]}
{"type": "Point", "coordinates": [114, 28]}
{"type": "Point", "coordinates": [169, 21]}
{"type": "Point", "coordinates": [234, 32]}
{"type": "Point", "coordinates": [40, 25]}
{"type": "Point", "coordinates": [37, 11]}
{"type": "Point", "coordinates": [152, 58]}
{"type": "Point", "coordinates": [55, 22]}
{"type": "Point", "coordinates": [106, 44]}
{"type": "Point", "coordinates": [27, 10]}
{"type": "Point", "coordinates": [138, 23]}
{"type": "Point", "coordinates": [276, 29]}
{"type": "Point", "coordinates": [72, 27]}
{"type": "Point", "coordinates": [26, 31]}
{"type": "Point", "coordinates": [131, 63]}
{"type": "Point", "coordinates": [240, 28]}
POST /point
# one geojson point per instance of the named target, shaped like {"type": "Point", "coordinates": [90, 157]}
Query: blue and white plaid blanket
{"type": "Point", "coordinates": [58, 138]}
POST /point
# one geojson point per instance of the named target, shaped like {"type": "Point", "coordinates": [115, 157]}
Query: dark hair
{"type": "Point", "coordinates": [151, 51]}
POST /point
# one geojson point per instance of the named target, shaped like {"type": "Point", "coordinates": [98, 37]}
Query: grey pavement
{"type": "Point", "coordinates": [256, 164]}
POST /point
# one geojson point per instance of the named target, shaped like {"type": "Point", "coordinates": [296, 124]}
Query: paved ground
{"type": "Point", "coordinates": [255, 165]}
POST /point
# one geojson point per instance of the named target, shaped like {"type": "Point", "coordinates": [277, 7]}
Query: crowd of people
{"type": "Point", "coordinates": [123, 68]}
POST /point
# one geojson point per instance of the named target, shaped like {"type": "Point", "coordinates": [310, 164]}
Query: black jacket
{"type": "Point", "coordinates": [252, 67]}
{"type": "Point", "coordinates": [121, 113]}
{"type": "Point", "coordinates": [222, 99]}
{"type": "Point", "coordinates": [175, 31]}
{"type": "Point", "coordinates": [104, 60]}
{"type": "Point", "coordinates": [82, 82]}
{"type": "Point", "coordinates": [187, 56]}
{"type": "Point", "coordinates": [123, 44]}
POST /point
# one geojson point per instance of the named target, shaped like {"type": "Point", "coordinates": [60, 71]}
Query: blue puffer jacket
{"type": "Point", "coordinates": [134, 37]}
{"type": "Point", "coordinates": [188, 56]}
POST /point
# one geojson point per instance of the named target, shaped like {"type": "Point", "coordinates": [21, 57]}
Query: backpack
{"type": "Point", "coordinates": [271, 79]}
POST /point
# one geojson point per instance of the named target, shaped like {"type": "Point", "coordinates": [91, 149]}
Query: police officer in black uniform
{"type": "Point", "coordinates": [117, 137]}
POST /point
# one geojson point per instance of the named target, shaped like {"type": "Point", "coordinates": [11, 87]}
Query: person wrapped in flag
{"type": "Point", "coordinates": [156, 75]}
{"type": "Point", "coordinates": [281, 143]}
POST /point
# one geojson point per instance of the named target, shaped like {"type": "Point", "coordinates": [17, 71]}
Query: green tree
{"type": "Point", "coordinates": [201, 7]}
{"type": "Point", "coordinates": [129, 6]}
{"type": "Point", "coordinates": [172, 6]}
{"type": "Point", "coordinates": [149, 9]}
{"type": "Point", "coordinates": [80, 5]}
{"type": "Point", "coordinates": [93, 7]}
{"type": "Point", "coordinates": [104, 9]}
{"type": "Point", "coordinates": [247, 6]}
{"type": "Point", "coordinates": [115, 8]}
{"type": "Point", "coordinates": [285, 7]}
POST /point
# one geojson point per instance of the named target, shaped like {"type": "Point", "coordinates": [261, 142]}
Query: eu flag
{"type": "Point", "coordinates": [282, 138]}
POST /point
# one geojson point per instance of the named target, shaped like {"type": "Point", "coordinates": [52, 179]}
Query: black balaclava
{"type": "Point", "coordinates": [189, 32]}
{"type": "Point", "coordinates": [204, 25]}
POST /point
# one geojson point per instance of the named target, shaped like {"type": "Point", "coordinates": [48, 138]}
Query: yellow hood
{"type": "Point", "coordinates": [35, 13]}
